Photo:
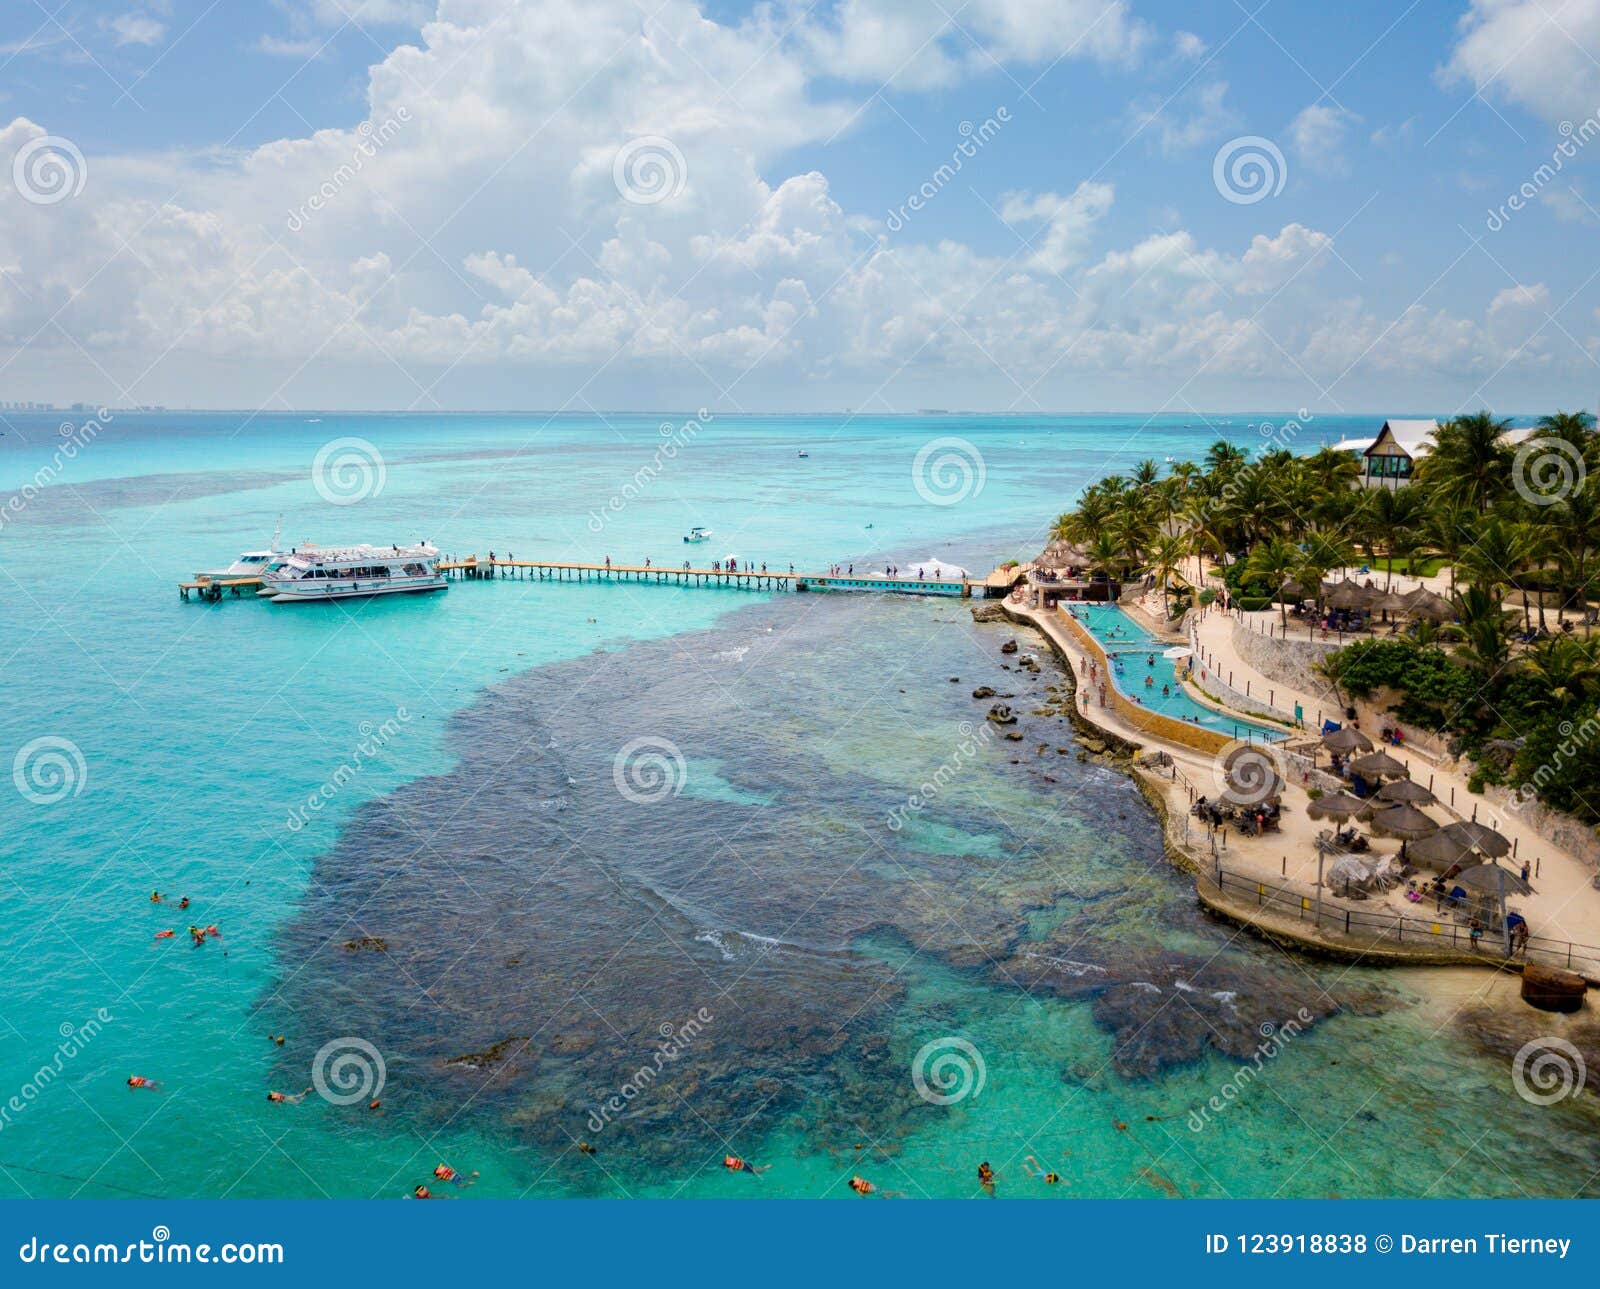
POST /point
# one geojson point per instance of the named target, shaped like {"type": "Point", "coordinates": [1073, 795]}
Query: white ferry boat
{"type": "Point", "coordinates": [345, 572]}
{"type": "Point", "coordinates": [249, 564]}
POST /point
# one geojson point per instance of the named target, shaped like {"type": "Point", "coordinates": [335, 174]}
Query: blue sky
{"type": "Point", "coordinates": [409, 203]}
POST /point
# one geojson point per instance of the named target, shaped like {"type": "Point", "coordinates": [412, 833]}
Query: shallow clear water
{"type": "Point", "coordinates": [404, 817]}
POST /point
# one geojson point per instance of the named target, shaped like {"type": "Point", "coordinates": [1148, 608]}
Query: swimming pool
{"type": "Point", "coordinates": [1125, 641]}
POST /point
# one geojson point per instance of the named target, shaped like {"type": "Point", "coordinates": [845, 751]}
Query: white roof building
{"type": "Point", "coordinates": [1389, 460]}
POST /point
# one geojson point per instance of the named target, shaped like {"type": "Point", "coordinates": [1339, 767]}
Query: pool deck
{"type": "Point", "coordinates": [1287, 861]}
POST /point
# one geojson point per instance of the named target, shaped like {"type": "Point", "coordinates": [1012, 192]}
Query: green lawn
{"type": "Point", "coordinates": [1427, 566]}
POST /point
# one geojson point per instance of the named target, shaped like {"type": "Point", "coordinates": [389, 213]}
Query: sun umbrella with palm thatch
{"type": "Point", "coordinates": [1423, 603]}
{"type": "Point", "coordinates": [1491, 877]}
{"type": "Point", "coordinates": [1351, 595]}
{"type": "Point", "coordinates": [1438, 851]}
{"type": "Point", "coordinates": [1389, 602]}
{"type": "Point", "coordinates": [1407, 790]}
{"type": "Point", "coordinates": [1336, 805]}
{"type": "Point", "coordinates": [1378, 765]}
{"type": "Point", "coordinates": [1403, 821]}
{"type": "Point", "coordinates": [1346, 740]}
{"type": "Point", "coordinates": [1480, 837]}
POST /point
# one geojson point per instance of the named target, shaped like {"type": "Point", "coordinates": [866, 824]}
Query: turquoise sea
{"type": "Point", "coordinates": [647, 870]}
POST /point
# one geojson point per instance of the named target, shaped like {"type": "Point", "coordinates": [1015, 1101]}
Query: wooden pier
{"type": "Point", "coordinates": [998, 583]}
{"type": "Point", "coordinates": [213, 588]}
{"type": "Point", "coordinates": [748, 579]}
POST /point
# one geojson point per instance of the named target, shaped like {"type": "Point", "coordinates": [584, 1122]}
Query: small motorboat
{"type": "Point", "coordinates": [804, 453]}
{"type": "Point", "coordinates": [697, 535]}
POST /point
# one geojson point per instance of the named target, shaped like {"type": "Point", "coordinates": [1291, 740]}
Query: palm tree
{"type": "Point", "coordinates": [1104, 553]}
{"type": "Point", "coordinates": [1396, 519]}
{"type": "Point", "coordinates": [1145, 474]}
{"type": "Point", "coordinates": [1166, 556]}
{"type": "Point", "coordinates": [1223, 458]}
{"type": "Point", "coordinates": [1576, 428]}
{"type": "Point", "coordinates": [1469, 461]}
{"type": "Point", "coordinates": [1574, 528]}
{"type": "Point", "coordinates": [1565, 665]}
{"type": "Point", "coordinates": [1487, 628]}
{"type": "Point", "coordinates": [1451, 527]}
{"type": "Point", "coordinates": [1276, 561]}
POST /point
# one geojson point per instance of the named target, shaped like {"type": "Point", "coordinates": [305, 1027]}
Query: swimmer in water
{"type": "Point", "coordinates": [165, 935]}
{"type": "Point", "coordinates": [861, 1186]}
{"type": "Point", "coordinates": [586, 1148]}
{"type": "Point", "coordinates": [139, 1081]}
{"type": "Point", "coordinates": [155, 897]}
{"type": "Point", "coordinates": [734, 1164]}
{"type": "Point", "coordinates": [184, 902]}
{"type": "Point", "coordinates": [986, 1177]}
{"type": "Point", "coordinates": [422, 1192]}
{"type": "Point", "coordinates": [284, 1098]}
{"type": "Point", "coordinates": [445, 1173]}
{"type": "Point", "coordinates": [1034, 1168]}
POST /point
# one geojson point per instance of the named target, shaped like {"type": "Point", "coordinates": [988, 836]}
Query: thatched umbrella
{"type": "Point", "coordinates": [1345, 740]}
{"type": "Point", "coordinates": [1251, 776]}
{"type": "Point", "coordinates": [1350, 595]}
{"type": "Point", "coordinates": [1378, 765]}
{"type": "Point", "coordinates": [1407, 790]}
{"type": "Point", "coordinates": [1438, 851]}
{"type": "Point", "coordinates": [1491, 877]}
{"type": "Point", "coordinates": [1390, 602]}
{"type": "Point", "coordinates": [1480, 837]}
{"type": "Point", "coordinates": [1336, 805]}
{"type": "Point", "coordinates": [1423, 603]}
{"type": "Point", "coordinates": [1403, 821]}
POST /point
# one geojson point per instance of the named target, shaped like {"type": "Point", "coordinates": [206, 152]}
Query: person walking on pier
{"type": "Point", "coordinates": [608, 561]}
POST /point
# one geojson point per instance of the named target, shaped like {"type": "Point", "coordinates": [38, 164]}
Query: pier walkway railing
{"type": "Point", "coordinates": [751, 579]}
{"type": "Point", "coordinates": [1443, 933]}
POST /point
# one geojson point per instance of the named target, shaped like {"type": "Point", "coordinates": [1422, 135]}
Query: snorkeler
{"type": "Point", "coordinates": [165, 935]}
{"type": "Point", "coordinates": [1034, 1168]}
{"type": "Point", "coordinates": [445, 1173]}
{"type": "Point", "coordinates": [184, 902]}
{"type": "Point", "coordinates": [861, 1186]}
{"type": "Point", "coordinates": [734, 1164]}
{"type": "Point", "coordinates": [281, 1098]}
{"type": "Point", "coordinates": [139, 1081]}
{"type": "Point", "coordinates": [422, 1192]}
{"type": "Point", "coordinates": [986, 1177]}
